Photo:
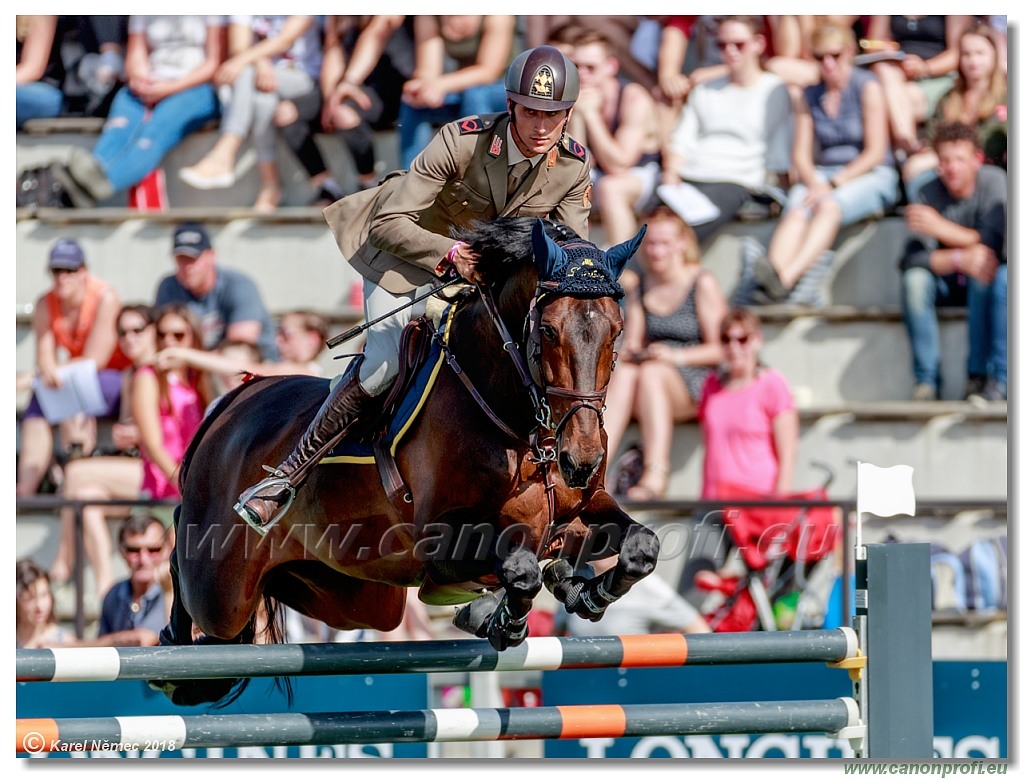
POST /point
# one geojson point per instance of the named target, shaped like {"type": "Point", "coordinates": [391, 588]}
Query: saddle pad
{"type": "Point", "coordinates": [347, 452]}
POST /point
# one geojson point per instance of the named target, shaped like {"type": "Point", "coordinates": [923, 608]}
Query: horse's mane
{"type": "Point", "coordinates": [505, 247]}
{"type": "Point", "coordinates": [506, 240]}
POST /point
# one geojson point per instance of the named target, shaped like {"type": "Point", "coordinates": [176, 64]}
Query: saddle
{"type": "Point", "coordinates": [414, 353]}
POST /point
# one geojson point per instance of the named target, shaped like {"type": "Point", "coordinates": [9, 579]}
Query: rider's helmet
{"type": "Point", "coordinates": [543, 79]}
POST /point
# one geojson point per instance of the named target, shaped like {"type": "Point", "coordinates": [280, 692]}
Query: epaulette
{"type": "Point", "coordinates": [475, 124]}
{"type": "Point", "coordinates": [574, 148]}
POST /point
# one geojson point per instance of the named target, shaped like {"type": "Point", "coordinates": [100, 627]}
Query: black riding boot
{"type": "Point", "coordinates": [265, 503]}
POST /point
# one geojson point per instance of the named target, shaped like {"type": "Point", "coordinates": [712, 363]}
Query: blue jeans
{"type": "Point", "coordinates": [986, 327]}
{"type": "Point", "coordinates": [862, 197]}
{"type": "Point", "coordinates": [416, 126]}
{"type": "Point", "coordinates": [37, 100]}
{"type": "Point", "coordinates": [135, 138]}
{"type": "Point", "coordinates": [921, 293]}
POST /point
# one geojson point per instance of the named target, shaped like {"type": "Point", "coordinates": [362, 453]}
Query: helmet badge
{"type": "Point", "coordinates": [543, 83]}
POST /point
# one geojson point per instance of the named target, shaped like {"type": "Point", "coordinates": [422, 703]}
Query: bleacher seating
{"type": "Point", "coordinates": [848, 363]}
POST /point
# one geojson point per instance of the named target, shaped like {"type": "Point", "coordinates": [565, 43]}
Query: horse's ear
{"type": "Point", "coordinates": [617, 256]}
{"type": "Point", "coordinates": [548, 255]}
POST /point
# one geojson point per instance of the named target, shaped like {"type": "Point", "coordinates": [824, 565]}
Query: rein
{"type": "Point", "coordinates": [543, 439]}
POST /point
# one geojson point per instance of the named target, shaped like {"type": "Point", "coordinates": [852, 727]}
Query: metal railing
{"type": "Point", "coordinates": [671, 508]}
{"type": "Point", "coordinates": [45, 503]}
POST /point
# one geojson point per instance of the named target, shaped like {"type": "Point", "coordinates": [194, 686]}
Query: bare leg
{"type": "Point", "coordinates": [616, 195]}
{"type": "Point", "coordinates": [790, 260]}
{"type": "Point", "coordinates": [79, 429]}
{"type": "Point", "coordinates": [36, 455]}
{"type": "Point", "coordinates": [270, 187]}
{"type": "Point", "coordinates": [901, 112]}
{"type": "Point", "coordinates": [619, 404]}
{"type": "Point", "coordinates": [99, 478]}
{"type": "Point", "coordinates": [662, 400]}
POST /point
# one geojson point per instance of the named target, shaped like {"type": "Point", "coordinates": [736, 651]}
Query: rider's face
{"type": "Point", "coordinates": [536, 132]}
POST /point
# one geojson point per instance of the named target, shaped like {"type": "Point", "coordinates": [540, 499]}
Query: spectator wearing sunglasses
{"type": "Point", "coordinates": [168, 404]}
{"type": "Point", "coordinates": [113, 475]}
{"type": "Point", "coordinates": [747, 417]}
{"type": "Point", "coordinates": [844, 167]}
{"type": "Point", "coordinates": [73, 321]}
{"type": "Point", "coordinates": [734, 135]}
{"type": "Point", "coordinates": [135, 610]}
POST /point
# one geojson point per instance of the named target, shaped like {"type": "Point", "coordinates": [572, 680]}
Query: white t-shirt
{"type": "Point", "coordinates": [650, 606]}
{"type": "Point", "coordinates": [730, 133]}
{"type": "Point", "coordinates": [177, 44]}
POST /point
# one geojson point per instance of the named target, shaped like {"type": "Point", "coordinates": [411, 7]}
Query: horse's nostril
{"type": "Point", "coordinates": [566, 463]}
{"type": "Point", "coordinates": [576, 475]}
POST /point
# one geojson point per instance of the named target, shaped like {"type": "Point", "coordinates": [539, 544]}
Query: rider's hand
{"type": "Point", "coordinates": [464, 260]}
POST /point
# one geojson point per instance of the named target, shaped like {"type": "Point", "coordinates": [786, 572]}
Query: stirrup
{"type": "Point", "coordinates": [250, 517]}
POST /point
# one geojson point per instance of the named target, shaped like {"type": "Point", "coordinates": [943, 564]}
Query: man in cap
{"type": "Point", "coordinates": [74, 320]}
{"type": "Point", "coordinates": [226, 301]}
{"type": "Point", "coordinates": [397, 236]}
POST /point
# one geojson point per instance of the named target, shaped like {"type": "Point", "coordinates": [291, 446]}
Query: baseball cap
{"type": "Point", "coordinates": [66, 254]}
{"type": "Point", "coordinates": [190, 239]}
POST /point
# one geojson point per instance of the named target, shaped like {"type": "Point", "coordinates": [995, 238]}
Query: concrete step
{"type": "Point", "coordinates": [830, 356]}
{"type": "Point", "coordinates": [958, 450]}
{"type": "Point", "coordinates": [865, 272]}
{"type": "Point", "coordinates": [43, 146]}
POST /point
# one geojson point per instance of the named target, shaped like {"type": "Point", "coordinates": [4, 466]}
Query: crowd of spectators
{"type": "Point", "coordinates": [819, 121]}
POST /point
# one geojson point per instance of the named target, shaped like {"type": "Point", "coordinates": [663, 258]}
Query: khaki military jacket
{"type": "Point", "coordinates": [396, 233]}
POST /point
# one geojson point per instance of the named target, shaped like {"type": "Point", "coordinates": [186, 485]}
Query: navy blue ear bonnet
{"type": "Point", "coordinates": [580, 268]}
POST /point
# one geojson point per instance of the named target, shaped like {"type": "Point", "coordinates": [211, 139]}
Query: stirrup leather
{"type": "Point", "coordinates": [277, 481]}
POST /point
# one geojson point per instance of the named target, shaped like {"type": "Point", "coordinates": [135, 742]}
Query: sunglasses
{"type": "Point", "coordinates": [822, 56]}
{"type": "Point", "coordinates": [741, 339]}
{"type": "Point", "coordinates": [136, 330]}
{"type": "Point", "coordinates": [739, 45]}
{"type": "Point", "coordinates": [62, 272]}
{"type": "Point", "coordinates": [175, 335]}
{"type": "Point", "coordinates": [140, 549]}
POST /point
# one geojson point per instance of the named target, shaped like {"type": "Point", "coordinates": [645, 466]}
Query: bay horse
{"type": "Point", "coordinates": [503, 466]}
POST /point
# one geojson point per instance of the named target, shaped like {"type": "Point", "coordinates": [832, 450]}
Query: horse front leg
{"type": "Point", "coordinates": [587, 595]}
{"type": "Point", "coordinates": [500, 616]}
{"type": "Point", "coordinates": [519, 574]}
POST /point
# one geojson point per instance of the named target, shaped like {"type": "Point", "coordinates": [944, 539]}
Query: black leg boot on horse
{"type": "Point", "coordinates": [263, 505]}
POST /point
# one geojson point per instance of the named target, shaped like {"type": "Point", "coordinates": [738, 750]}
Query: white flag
{"type": "Point", "coordinates": [885, 491]}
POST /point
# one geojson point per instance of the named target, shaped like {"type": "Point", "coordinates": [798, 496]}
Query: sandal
{"type": "Point", "coordinates": [652, 484]}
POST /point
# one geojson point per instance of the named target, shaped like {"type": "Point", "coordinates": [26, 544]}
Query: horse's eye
{"type": "Point", "coordinates": [548, 332]}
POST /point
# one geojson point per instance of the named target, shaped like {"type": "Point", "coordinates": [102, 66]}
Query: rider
{"type": "Point", "coordinates": [397, 235]}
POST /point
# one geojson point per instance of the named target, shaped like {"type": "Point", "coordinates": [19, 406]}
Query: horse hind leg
{"type": "Point", "coordinates": [505, 624]}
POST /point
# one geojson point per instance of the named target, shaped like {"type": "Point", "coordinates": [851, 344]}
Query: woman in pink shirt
{"type": "Point", "coordinates": [749, 423]}
{"type": "Point", "coordinates": [168, 405]}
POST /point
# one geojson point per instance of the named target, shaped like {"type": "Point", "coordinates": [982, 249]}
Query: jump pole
{"type": "Point", "coordinates": [544, 653]}
{"type": "Point", "coordinates": [438, 725]}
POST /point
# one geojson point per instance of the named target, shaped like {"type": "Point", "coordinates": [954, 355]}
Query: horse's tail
{"type": "Point", "coordinates": [222, 404]}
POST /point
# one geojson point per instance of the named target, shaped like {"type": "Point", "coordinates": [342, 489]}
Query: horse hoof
{"type": "Point", "coordinates": [503, 636]}
{"type": "Point", "coordinates": [504, 631]}
{"type": "Point", "coordinates": [194, 693]}
{"type": "Point", "coordinates": [557, 571]}
{"type": "Point", "coordinates": [473, 618]}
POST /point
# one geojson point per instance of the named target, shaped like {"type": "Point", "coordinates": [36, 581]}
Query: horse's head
{"type": "Point", "coordinates": [573, 324]}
